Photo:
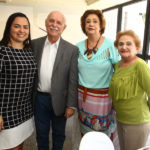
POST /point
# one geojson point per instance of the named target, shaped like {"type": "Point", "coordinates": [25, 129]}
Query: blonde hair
{"type": "Point", "coordinates": [129, 33]}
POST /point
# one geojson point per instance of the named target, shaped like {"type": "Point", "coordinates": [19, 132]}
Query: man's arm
{"type": "Point", "coordinates": [72, 98]}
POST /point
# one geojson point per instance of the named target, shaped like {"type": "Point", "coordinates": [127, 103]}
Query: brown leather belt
{"type": "Point", "coordinates": [95, 91]}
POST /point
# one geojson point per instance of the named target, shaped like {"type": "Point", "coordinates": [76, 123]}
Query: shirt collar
{"type": "Point", "coordinates": [55, 44]}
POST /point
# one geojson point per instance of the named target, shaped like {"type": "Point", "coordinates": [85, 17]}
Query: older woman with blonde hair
{"type": "Point", "coordinates": [130, 92]}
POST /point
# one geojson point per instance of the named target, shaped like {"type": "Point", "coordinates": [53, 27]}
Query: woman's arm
{"type": "Point", "coordinates": [1, 123]}
{"type": "Point", "coordinates": [144, 80]}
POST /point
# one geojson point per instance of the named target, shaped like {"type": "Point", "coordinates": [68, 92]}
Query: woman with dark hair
{"type": "Point", "coordinates": [97, 55]}
{"type": "Point", "coordinates": [17, 74]}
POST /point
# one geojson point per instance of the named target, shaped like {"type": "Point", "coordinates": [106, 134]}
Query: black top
{"type": "Point", "coordinates": [17, 73]}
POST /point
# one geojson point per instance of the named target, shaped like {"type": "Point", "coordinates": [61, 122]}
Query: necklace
{"type": "Point", "coordinates": [94, 49]}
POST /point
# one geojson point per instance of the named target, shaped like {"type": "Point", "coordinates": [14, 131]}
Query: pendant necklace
{"type": "Point", "coordinates": [94, 49]}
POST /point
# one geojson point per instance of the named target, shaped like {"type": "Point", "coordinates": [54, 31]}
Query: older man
{"type": "Point", "coordinates": [56, 96]}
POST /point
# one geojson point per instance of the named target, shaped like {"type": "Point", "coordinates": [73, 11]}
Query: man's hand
{"type": "Point", "coordinates": [1, 123]}
{"type": "Point", "coordinates": [69, 112]}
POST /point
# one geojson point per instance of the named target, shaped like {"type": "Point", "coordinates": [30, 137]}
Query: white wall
{"type": "Point", "coordinates": [37, 17]}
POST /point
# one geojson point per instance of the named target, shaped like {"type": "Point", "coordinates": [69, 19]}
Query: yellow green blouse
{"type": "Point", "coordinates": [130, 92]}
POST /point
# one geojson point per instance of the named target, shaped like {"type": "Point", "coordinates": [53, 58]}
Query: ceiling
{"type": "Point", "coordinates": [101, 4]}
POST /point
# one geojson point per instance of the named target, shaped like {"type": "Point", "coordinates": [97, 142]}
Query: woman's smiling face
{"type": "Point", "coordinates": [126, 46]}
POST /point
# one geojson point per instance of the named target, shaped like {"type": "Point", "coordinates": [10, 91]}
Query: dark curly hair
{"type": "Point", "coordinates": [99, 14]}
{"type": "Point", "coordinates": [6, 35]}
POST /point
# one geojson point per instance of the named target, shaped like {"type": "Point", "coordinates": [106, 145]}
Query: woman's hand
{"type": "Point", "coordinates": [1, 123]}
